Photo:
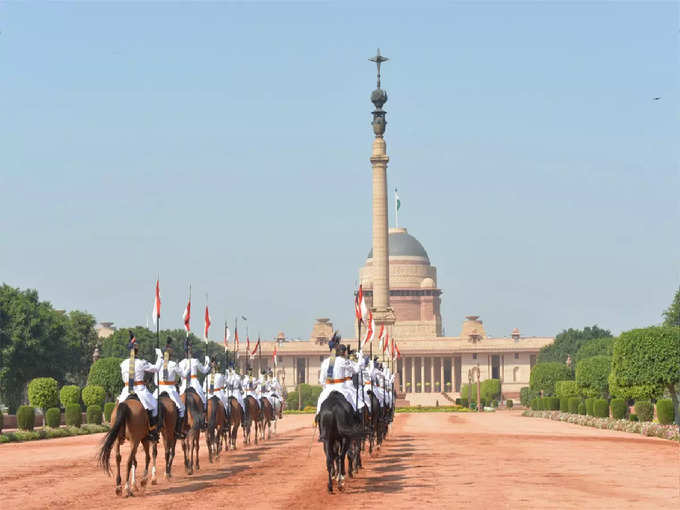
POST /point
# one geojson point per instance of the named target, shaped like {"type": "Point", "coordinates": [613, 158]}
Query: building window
{"type": "Point", "coordinates": [301, 369]}
{"type": "Point", "coordinates": [515, 371]}
{"type": "Point", "coordinates": [517, 355]}
{"type": "Point", "coordinates": [474, 355]}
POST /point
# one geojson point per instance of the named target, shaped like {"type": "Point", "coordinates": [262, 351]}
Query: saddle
{"type": "Point", "coordinates": [133, 396]}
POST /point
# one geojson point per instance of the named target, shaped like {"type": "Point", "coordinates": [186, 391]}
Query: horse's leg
{"type": "Point", "coordinates": [198, 447]}
{"type": "Point", "coordinates": [119, 489]}
{"type": "Point", "coordinates": [130, 470]}
{"type": "Point", "coordinates": [187, 453]}
{"type": "Point", "coordinates": [147, 461]}
{"type": "Point", "coordinates": [154, 451]}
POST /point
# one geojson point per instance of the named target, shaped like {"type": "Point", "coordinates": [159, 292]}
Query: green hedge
{"type": "Point", "coordinates": [53, 417]}
{"type": "Point", "coordinates": [572, 404]}
{"type": "Point", "coordinates": [564, 404]}
{"type": "Point", "coordinates": [42, 392]}
{"type": "Point", "coordinates": [665, 411]}
{"type": "Point", "coordinates": [524, 396]}
{"type": "Point", "coordinates": [566, 389]}
{"type": "Point", "coordinates": [644, 410]}
{"type": "Point", "coordinates": [49, 433]}
{"type": "Point", "coordinates": [2, 421]}
{"type": "Point", "coordinates": [619, 408]}
{"type": "Point", "coordinates": [601, 408]}
{"type": "Point", "coordinates": [490, 389]}
{"type": "Point", "coordinates": [544, 376]}
{"type": "Point", "coordinates": [26, 417]}
{"type": "Point", "coordinates": [94, 415]}
{"type": "Point", "coordinates": [108, 409]}
{"type": "Point", "coordinates": [73, 415]}
{"type": "Point", "coordinates": [509, 404]}
{"type": "Point", "coordinates": [69, 395]}
{"type": "Point", "coordinates": [310, 396]}
{"type": "Point", "coordinates": [592, 376]}
{"type": "Point", "coordinates": [464, 402]}
{"type": "Point", "coordinates": [589, 406]}
{"type": "Point", "coordinates": [582, 407]}
{"type": "Point", "coordinates": [633, 417]}
{"type": "Point", "coordinates": [93, 395]}
{"type": "Point", "coordinates": [534, 405]}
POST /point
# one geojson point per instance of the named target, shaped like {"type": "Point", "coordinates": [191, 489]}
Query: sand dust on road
{"type": "Point", "coordinates": [438, 460]}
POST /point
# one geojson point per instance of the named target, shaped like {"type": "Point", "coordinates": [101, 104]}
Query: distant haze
{"type": "Point", "coordinates": [228, 145]}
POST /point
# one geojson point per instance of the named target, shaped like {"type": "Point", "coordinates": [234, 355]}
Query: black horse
{"type": "Point", "coordinates": [338, 427]}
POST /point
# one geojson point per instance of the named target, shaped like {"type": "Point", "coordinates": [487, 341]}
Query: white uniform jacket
{"type": "Point", "coordinates": [193, 366]}
{"type": "Point", "coordinates": [341, 380]}
{"type": "Point", "coordinates": [218, 383]}
{"type": "Point", "coordinates": [168, 380]}
{"type": "Point", "coordinates": [250, 388]}
{"type": "Point", "coordinates": [139, 388]}
{"type": "Point", "coordinates": [235, 387]}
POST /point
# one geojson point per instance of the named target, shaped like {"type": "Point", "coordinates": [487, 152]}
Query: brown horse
{"type": "Point", "coordinates": [129, 420]}
{"type": "Point", "coordinates": [253, 411]}
{"type": "Point", "coordinates": [234, 419]}
{"type": "Point", "coordinates": [267, 418]}
{"type": "Point", "coordinates": [168, 418]}
{"type": "Point", "coordinates": [217, 423]}
{"type": "Point", "coordinates": [193, 418]}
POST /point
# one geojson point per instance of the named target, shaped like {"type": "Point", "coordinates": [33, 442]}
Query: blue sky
{"type": "Point", "coordinates": [227, 145]}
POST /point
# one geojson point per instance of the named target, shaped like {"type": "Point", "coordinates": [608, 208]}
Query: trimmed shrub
{"type": "Point", "coordinates": [42, 393]}
{"type": "Point", "coordinates": [633, 417]}
{"type": "Point", "coordinates": [544, 376]}
{"type": "Point", "coordinates": [582, 408]}
{"type": "Point", "coordinates": [73, 415]}
{"type": "Point", "coordinates": [564, 404]}
{"type": "Point", "coordinates": [26, 417]}
{"type": "Point", "coordinates": [509, 404]}
{"type": "Point", "coordinates": [490, 389]}
{"type": "Point", "coordinates": [53, 417]}
{"type": "Point", "coordinates": [494, 403]}
{"type": "Point", "coordinates": [105, 372]}
{"type": "Point", "coordinates": [524, 398]}
{"type": "Point", "coordinates": [589, 406]}
{"type": "Point", "coordinates": [592, 376]}
{"type": "Point", "coordinates": [534, 404]}
{"type": "Point", "coordinates": [566, 389]}
{"type": "Point", "coordinates": [619, 408]}
{"type": "Point", "coordinates": [2, 421]}
{"type": "Point", "coordinates": [644, 410]}
{"type": "Point", "coordinates": [69, 395]}
{"type": "Point", "coordinates": [94, 414]}
{"type": "Point", "coordinates": [665, 411]}
{"type": "Point", "coordinates": [601, 408]}
{"type": "Point", "coordinates": [93, 395]}
{"type": "Point", "coordinates": [554, 403]}
{"type": "Point", "coordinates": [573, 405]}
{"type": "Point", "coordinates": [595, 347]}
{"type": "Point", "coordinates": [458, 402]}
{"type": "Point", "coordinates": [108, 410]}
{"type": "Point", "coordinates": [464, 402]}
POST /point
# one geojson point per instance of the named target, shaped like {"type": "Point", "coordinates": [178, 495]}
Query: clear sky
{"type": "Point", "coordinates": [228, 145]}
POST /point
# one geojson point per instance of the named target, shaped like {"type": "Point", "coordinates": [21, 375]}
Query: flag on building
{"type": "Point", "coordinates": [257, 346]}
{"type": "Point", "coordinates": [187, 317]}
{"type": "Point", "coordinates": [396, 348]}
{"type": "Point", "coordinates": [157, 304]}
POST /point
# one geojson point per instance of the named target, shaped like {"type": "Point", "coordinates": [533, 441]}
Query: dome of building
{"type": "Point", "coordinates": [403, 244]}
{"type": "Point", "coordinates": [427, 283]}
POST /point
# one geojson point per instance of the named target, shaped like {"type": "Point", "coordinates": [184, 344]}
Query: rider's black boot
{"type": "Point", "coordinates": [153, 427]}
{"type": "Point", "coordinates": [179, 425]}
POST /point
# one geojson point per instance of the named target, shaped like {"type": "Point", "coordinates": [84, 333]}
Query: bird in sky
{"type": "Point", "coordinates": [656, 98]}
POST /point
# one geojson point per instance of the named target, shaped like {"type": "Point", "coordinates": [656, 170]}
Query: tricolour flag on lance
{"type": "Point", "coordinates": [207, 325]}
{"type": "Point", "coordinates": [187, 317]}
{"type": "Point", "coordinates": [248, 346]}
{"type": "Point", "coordinates": [236, 346]}
{"type": "Point", "coordinates": [358, 304]}
{"type": "Point", "coordinates": [274, 356]}
{"type": "Point", "coordinates": [392, 347]}
{"type": "Point", "coordinates": [257, 346]}
{"type": "Point", "coordinates": [157, 304]}
{"type": "Point", "coordinates": [381, 335]}
{"type": "Point", "coordinates": [385, 342]}
{"type": "Point", "coordinates": [396, 348]}
{"type": "Point", "coordinates": [369, 330]}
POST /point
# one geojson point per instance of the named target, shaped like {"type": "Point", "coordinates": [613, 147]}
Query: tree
{"type": "Point", "coordinates": [568, 343]}
{"type": "Point", "coordinates": [671, 315]}
{"type": "Point", "coordinates": [595, 347]}
{"type": "Point", "coordinates": [592, 376]}
{"type": "Point", "coordinates": [105, 372]}
{"type": "Point", "coordinates": [94, 395]}
{"type": "Point", "coordinates": [566, 389]}
{"type": "Point", "coordinates": [490, 389]}
{"type": "Point", "coordinates": [648, 361]}
{"type": "Point", "coordinates": [544, 376]}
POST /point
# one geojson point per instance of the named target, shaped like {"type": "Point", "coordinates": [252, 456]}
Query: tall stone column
{"type": "Point", "coordinates": [382, 312]}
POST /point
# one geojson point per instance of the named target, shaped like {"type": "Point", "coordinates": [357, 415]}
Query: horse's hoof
{"type": "Point", "coordinates": [154, 482]}
{"type": "Point", "coordinates": [119, 491]}
{"type": "Point", "coordinates": [129, 494]}
{"type": "Point", "coordinates": [144, 481]}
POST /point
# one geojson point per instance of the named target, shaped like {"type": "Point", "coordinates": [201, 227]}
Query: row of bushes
{"type": "Point", "coordinates": [48, 433]}
{"type": "Point", "coordinates": [599, 407]}
{"type": "Point", "coordinates": [42, 393]}
{"type": "Point", "coordinates": [72, 416]}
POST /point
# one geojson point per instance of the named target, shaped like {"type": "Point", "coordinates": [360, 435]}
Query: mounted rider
{"type": "Point", "coordinates": [191, 366]}
{"type": "Point", "coordinates": [132, 371]}
{"type": "Point", "coordinates": [250, 389]}
{"type": "Point", "coordinates": [235, 387]}
{"type": "Point", "coordinates": [336, 374]}
{"type": "Point", "coordinates": [168, 373]}
{"type": "Point", "coordinates": [275, 392]}
{"type": "Point", "coordinates": [214, 383]}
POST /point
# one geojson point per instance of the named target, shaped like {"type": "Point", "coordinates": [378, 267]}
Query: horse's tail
{"type": "Point", "coordinates": [194, 410]}
{"type": "Point", "coordinates": [344, 419]}
{"type": "Point", "coordinates": [104, 455]}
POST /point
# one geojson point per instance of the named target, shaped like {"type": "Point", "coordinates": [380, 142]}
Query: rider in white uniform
{"type": "Point", "coordinates": [168, 375]}
{"type": "Point", "coordinates": [214, 383]}
{"type": "Point", "coordinates": [337, 377]}
{"type": "Point", "coordinates": [146, 398]}
{"type": "Point", "coordinates": [193, 366]}
{"type": "Point", "coordinates": [235, 388]}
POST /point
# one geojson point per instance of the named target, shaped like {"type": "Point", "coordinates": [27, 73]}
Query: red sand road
{"type": "Point", "coordinates": [494, 460]}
